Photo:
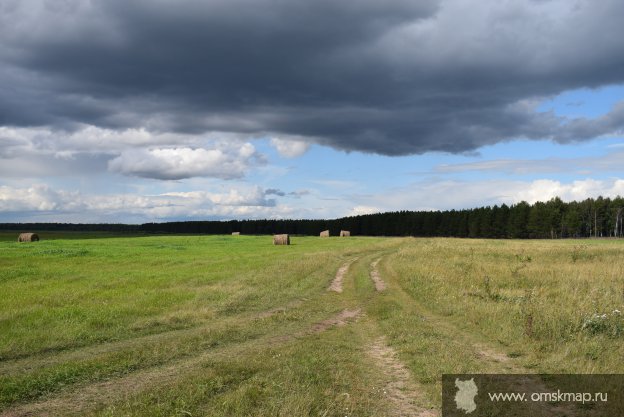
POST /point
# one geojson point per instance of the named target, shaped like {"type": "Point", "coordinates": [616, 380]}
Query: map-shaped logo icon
{"type": "Point", "coordinates": [467, 391]}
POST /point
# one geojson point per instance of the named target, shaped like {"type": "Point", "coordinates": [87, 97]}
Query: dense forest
{"type": "Point", "coordinates": [601, 217]}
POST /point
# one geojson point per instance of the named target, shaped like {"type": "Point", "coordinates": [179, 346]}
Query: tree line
{"type": "Point", "coordinates": [600, 217]}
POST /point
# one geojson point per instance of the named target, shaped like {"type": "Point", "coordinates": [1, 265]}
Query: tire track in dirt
{"type": "Point", "coordinates": [336, 284]}
{"type": "Point", "coordinates": [488, 353]}
{"type": "Point", "coordinates": [341, 319]}
{"type": "Point", "coordinates": [37, 361]}
{"type": "Point", "coordinates": [482, 349]}
{"type": "Point", "coordinates": [380, 285]}
{"type": "Point", "coordinates": [84, 397]}
{"type": "Point", "coordinates": [403, 393]}
{"type": "Point", "coordinates": [400, 389]}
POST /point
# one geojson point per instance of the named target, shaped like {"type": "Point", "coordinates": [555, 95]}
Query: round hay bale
{"type": "Point", "coordinates": [28, 237]}
{"type": "Point", "coordinates": [281, 240]}
{"type": "Point", "coordinates": [235, 233]}
{"type": "Point", "coordinates": [324, 233]}
{"type": "Point", "coordinates": [345, 233]}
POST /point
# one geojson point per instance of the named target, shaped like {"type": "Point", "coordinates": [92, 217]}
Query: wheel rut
{"type": "Point", "coordinates": [83, 397]}
{"type": "Point", "coordinates": [400, 389]}
{"type": "Point", "coordinates": [380, 284]}
{"type": "Point", "coordinates": [336, 284]}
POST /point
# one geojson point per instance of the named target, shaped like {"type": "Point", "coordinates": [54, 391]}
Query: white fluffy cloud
{"type": "Point", "coordinates": [224, 162]}
{"type": "Point", "coordinates": [290, 148]}
{"type": "Point", "coordinates": [134, 152]}
{"type": "Point", "coordinates": [541, 190]}
{"type": "Point", "coordinates": [43, 203]}
{"type": "Point", "coordinates": [452, 194]}
{"type": "Point", "coordinates": [246, 202]}
{"type": "Point", "coordinates": [36, 198]}
{"type": "Point", "coordinates": [16, 141]}
{"type": "Point", "coordinates": [360, 210]}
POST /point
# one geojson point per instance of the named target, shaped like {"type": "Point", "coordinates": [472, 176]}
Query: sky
{"type": "Point", "coordinates": [159, 110]}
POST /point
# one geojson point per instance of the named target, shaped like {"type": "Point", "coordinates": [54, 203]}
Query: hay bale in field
{"type": "Point", "coordinates": [324, 233]}
{"type": "Point", "coordinates": [345, 233]}
{"type": "Point", "coordinates": [235, 233]}
{"type": "Point", "coordinates": [281, 240]}
{"type": "Point", "coordinates": [28, 237]}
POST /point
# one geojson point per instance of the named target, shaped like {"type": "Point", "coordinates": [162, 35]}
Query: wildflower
{"type": "Point", "coordinates": [616, 311]}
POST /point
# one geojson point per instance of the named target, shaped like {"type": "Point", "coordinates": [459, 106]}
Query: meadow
{"type": "Point", "coordinates": [104, 325]}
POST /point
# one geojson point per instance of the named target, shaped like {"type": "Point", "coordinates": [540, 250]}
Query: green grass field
{"type": "Point", "coordinates": [233, 326]}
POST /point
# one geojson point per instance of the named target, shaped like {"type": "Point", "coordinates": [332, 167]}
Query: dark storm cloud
{"type": "Point", "coordinates": [393, 77]}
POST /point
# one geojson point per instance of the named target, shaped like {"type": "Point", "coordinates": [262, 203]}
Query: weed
{"type": "Point", "coordinates": [489, 292]}
{"type": "Point", "coordinates": [609, 324]}
{"type": "Point", "coordinates": [522, 262]}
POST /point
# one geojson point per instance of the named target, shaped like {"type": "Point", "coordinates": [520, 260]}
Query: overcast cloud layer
{"type": "Point", "coordinates": [393, 77]}
{"type": "Point", "coordinates": [145, 110]}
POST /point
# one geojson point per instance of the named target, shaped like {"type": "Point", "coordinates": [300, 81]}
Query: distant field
{"type": "Point", "coordinates": [232, 325]}
{"type": "Point", "coordinates": [11, 235]}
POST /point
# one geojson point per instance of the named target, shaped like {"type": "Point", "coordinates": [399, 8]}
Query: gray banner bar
{"type": "Point", "coordinates": [532, 395]}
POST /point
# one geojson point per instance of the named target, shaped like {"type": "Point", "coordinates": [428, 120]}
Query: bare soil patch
{"type": "Point", "coordinates": [380, 285]}
{"type": "Point", "coordinates": [400, 389]}
{"type": "Point", "coordinates": [342, 318]}
{"type": "Point", "coordinates": [336, 284]}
